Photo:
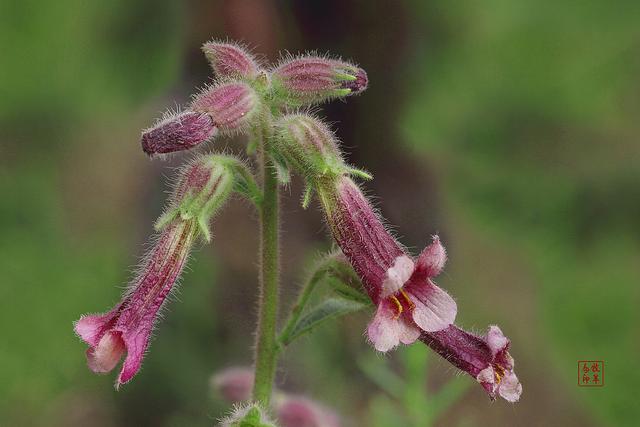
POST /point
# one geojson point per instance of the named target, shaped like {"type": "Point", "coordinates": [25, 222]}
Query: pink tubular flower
{"type": "Point", "coordinates": [203, 187]}
{"type": "Point", "coordinates": [486, 359]}
{"type": "Point", "coordinates": [178, 132]}
{"type": "Point", "coordinates": [408, 301]}
{"type": "Point", "coordinates": [127, 327]}
{"type": "Point", "coordinates": [230, 60]}
{"type": "Point", "coordinates": [231, 106]}
{"type": "Point", "coordinates": [310, 80]}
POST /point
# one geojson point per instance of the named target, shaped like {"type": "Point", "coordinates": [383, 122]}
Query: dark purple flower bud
{"type": "Point", "coordinates": [230, 60]}
{"type": "Point", "coordinates": [408, 301]}
{"type": "Point", "coordinates": [231, 106]}
{"type": "Point", "coordinates": [178, 132]}
{"type": "Point", "coordinates": [486, 359]}
{"type": "Point", "coordinates": [311, 80]}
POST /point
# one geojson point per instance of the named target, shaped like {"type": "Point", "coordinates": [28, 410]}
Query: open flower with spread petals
{"type": "Point", "coordinates": [408, 301]}
{"type": "Point", "coordinates": [203, 186]}
{"type": "Point", "coordinates": [486, 359]}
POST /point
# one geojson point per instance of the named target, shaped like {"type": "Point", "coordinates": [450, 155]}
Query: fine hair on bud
{"type": "Point", "coordinates": [230, 59]}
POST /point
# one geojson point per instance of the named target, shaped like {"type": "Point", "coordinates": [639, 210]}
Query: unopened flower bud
{"type": "Point", "coordinates": [231, 106]}
{"type": "Point", "coordinates": [177, 132]}
{"type": "Point", "coordinates": [311, 80]}
{"type": "Point", "coordinates": [230, 60]}
{"type": "Point", "coordinates": [233, 384]}
{"type": "Point", "coordinates": [309, 145]}
{"type": "Point", "coordinates": [247, 416]}
{"type": "Point", "coordinates": [204, 185]}
{"type": "Point", "coordinates": [298, 411]}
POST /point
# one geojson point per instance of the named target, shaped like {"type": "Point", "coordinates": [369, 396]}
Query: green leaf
{"type": "Point", "coordinates": [328, 309]}
{"type": "Point", "coordinates": [346, 291]}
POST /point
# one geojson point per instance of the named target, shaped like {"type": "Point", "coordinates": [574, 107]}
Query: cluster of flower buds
{"type": "Point", "coordinates": [234, 385]}
{"type": "Point", "coordinates": [204, 186]}
{"type": "Point", "coordinates": [243, 89]}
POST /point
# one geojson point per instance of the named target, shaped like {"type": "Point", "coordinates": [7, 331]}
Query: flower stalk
{"type": "Point", "coordinates": [266, 345]}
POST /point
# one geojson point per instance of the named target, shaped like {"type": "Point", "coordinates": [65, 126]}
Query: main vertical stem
{"type": "Point", "coordinates": [266, 348]}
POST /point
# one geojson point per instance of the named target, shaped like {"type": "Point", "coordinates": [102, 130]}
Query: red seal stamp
{"type": "Point", "coordinates": [590, 373]}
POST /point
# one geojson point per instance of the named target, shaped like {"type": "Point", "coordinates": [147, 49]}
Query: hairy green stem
{"type": "Point", "coordinates": [266, 346]}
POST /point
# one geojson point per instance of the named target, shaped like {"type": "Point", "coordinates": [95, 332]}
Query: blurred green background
{"type": "Point", "coordinates": [509, 127]}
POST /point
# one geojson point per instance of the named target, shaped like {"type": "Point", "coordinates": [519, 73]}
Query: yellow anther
{"type": "Point", "coordinates": [499, 373]}
{"type": "Point", "coordinates": [398, 306]}
{"type": "Point", "coordinates": [406, 297]}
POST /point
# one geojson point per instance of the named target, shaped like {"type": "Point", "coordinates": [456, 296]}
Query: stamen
{"type": "Point", "coordinates": [499, 370]}
{"type": "Point", "coordinates": [406, 297]}
{"type": "Point", "coordinates": [398, 306]}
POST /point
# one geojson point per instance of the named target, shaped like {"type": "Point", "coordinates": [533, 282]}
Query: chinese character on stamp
{"type": "Point", "coordinates": [591, 373]}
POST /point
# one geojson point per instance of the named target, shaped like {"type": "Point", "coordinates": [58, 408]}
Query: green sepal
{"type": "Point", "coordinates": [360, 173]}
{"type": "Point", "coordinates": [345, 77]}
{"type": "Point", "coordinates": [307, 195]}
{"type": "Point", "coordinates": [341, 92]}
{"type": "Point", "coordinates": [245, 184]}
{"type": "Point", "coordinates": [166, 218]}
{"type": "Point", "coordinates": [282, 168]}
{"type": "Point", "coordinates": [203, 227]}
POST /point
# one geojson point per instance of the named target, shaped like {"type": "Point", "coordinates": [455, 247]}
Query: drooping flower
{"type": "Point", "coordinates": [127, 327]}
{"type": "Point", "coordinates": [408, 301]}
{"type": "Point", "coordinates": [310, 80]}
{"type": "Point", "coordinates": [486, 359]}
{"type": "Point", "coordinates": [203, 187]}
{"type": "Point", "coordinates": [230, 60]}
